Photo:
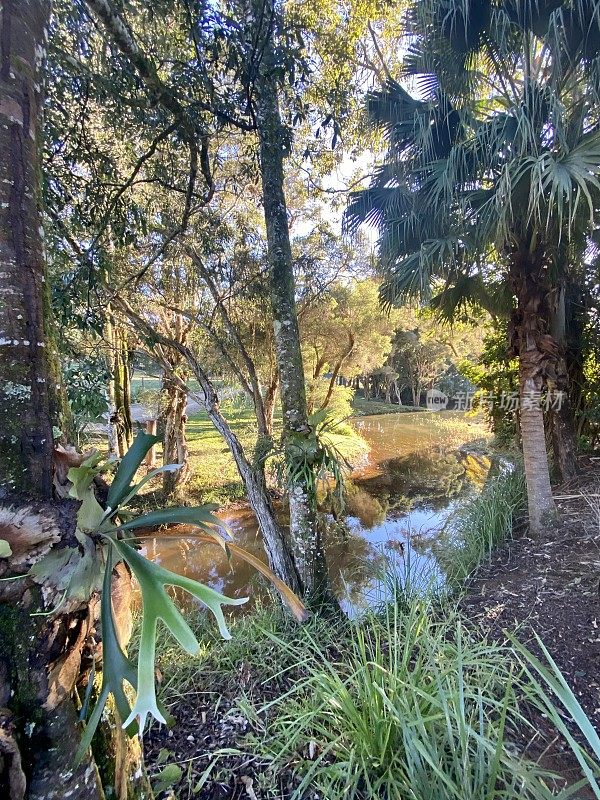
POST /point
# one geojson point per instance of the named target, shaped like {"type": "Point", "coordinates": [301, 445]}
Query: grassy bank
{"type": "Point", "coordinates": [367, 408]}
{"type": "Point", "coordinates": [411, 700]}
{"type": "Point", "coordinates": [482, 524]}
{"type": "Point", "coordinates": [214, 475]}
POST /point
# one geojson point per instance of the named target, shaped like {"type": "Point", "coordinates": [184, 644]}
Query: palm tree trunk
{"type": "Point", "coordinates": [537, 353]}
{"type": "Point", "coordinates": [562, 422]}
{"type": "Point", "coordinates": [537, 474]}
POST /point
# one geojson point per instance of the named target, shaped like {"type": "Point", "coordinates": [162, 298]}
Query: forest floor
{"type": "Point", "coordinates": [547, 586]}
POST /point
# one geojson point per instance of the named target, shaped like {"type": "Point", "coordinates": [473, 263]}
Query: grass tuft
{"type": "Point", "coordinates": [481, 524]}
{"type": "Point", "coordinates": [415, 707]}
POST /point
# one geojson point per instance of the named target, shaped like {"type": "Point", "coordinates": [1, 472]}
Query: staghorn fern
{"type": "Point", "coordinates": [80, 570]}
{"type": "Point", "coordinates": [306, 459]}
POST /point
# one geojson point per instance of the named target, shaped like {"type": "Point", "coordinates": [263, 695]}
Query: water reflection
{"type": "Point", "coordinates": [397, 505]}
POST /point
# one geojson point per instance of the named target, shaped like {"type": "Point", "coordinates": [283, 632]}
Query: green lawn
{"type": "Point", "coordinates": [214, 475]}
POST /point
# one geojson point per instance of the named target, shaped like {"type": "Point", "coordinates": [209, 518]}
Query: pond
{"type": "Point", "coordinates": [419, 468]}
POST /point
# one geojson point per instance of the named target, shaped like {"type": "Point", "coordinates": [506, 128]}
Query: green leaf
{"type": "Point", "coordinates": [156, 604]}
{"type": "Point", "coordinates": [129, 465]}
{"type": "Point", "coordinates": [182, 515]}
{"type": "Point", "coordinates": [90, 514]}
{"type": "Point", "coordinates": [5, 549]}
{"type": "Point", "coordinates": [81, 477]}
{"type": "Point", "coordinates": [169, 776]}
{"type": "Point", "coordinates": [116, 668]}
{"type": "Point", "coordinates": [152, 474]}
{"type": "Point", "coordinates": [163, 755]}
{"type": "Point", "coordinates": [86, 577]}
{"type": "Point", "coordinates": [555, 681]}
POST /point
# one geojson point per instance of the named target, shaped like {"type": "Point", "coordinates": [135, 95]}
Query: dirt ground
{"type": "Point", "coordinates": [550, 586]}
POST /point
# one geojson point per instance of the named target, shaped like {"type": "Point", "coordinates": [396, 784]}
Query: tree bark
{"type": "Point", "coordinates": [274, 146]}
{"type": "Point", "coordinates": [119, 389]}
{"type": "Point", "coordinates": [175, 449]}
{"type": "Point", "coordinates": [537, 354]}
{"type": "Point", "coordinates": [40, 658]}
{"type": "Point", "coordinates": [29, 401]}
{"type": "Point", "coordinates": [269, 403]}
{"type": "Point", "coordinates": [562, 422]}
{"type": "Point", "coordinates": [280, 555]}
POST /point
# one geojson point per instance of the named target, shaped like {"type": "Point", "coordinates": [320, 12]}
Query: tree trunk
{"type": "Point", "coordinates": [119, 389]}
{"type": "Point", "coordinates": [40, 659]}
{"type": "Point", "coordinates": [336, 370]}
{"type": "Point", "coordinates": [29, 401]}
{"type": "Point", "coordinates": [280, 556]}
{"type": "Point", "coordinates": [537, 353]}
{"type": "Point", "coordinates": [39, 656]}
{"type": "Point", "coordinates": [562, 422]}
{"type": "Point", "coordinates": [269, 403]}
{"type": "Point", "coordinates": [274, 146]}
{"type": "Point", "coordinates": [175, 449]}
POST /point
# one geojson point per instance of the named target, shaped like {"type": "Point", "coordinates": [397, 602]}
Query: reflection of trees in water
{"type": "Point", "coordinates": [208, 563]}
{"type": "Point", "coordinates": [432, 476]}
{"type": "Point", "coordinates": [352, 560]}
{"type": "Point", "coordinates": [428, 475]}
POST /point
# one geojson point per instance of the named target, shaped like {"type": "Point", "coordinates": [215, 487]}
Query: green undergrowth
{"type": "Point", "coordinates": [410, 700]}
{"type": "Point", "coordinates": [416, 705]}
{"type": "Point", "coordinates": [482, 523]}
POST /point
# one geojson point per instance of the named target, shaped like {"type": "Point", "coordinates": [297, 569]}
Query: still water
{"type": "Point", "coordinates": [419, 468]}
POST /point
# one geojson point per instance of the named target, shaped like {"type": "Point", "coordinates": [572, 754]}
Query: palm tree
{"type": "Point", "coordinates": [490, 172]}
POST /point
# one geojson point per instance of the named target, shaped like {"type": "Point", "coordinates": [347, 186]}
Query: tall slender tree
{"type": "Point", "coordinates": [297, 433]}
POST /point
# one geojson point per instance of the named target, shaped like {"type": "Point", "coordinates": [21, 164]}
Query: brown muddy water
{"type": "Point", "coordinates": [420, 467]}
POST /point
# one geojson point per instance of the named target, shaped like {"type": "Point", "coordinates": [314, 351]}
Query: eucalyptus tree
{"type": "Point", "coordinates": [345, 333]}
{"type": "Point", "coordinates": [489, 170]}
{"type": "Point", "coordinates": [222, 75]}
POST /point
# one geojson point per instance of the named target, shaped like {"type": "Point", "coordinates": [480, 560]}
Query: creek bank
{"type": "Point", "coordinates": [523, 585]}
{"type": "Point", "coordinates": [549, 586]}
